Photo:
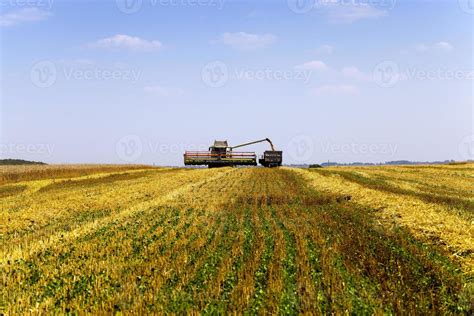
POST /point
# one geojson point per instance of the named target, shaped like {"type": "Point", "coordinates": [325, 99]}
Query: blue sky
{"type": "Point", "coordinates": [132, 81]}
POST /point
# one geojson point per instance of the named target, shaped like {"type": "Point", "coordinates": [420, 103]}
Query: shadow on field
{"type": "Point", "coordinates": [83, 183]}
{"type": "Point", "coordinates": [10, 190]}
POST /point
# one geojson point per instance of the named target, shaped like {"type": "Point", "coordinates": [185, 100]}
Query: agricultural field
{"type": "Point", "coordinates": [361, 240]}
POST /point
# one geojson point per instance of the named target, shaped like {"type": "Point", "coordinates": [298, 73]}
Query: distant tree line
{"type": "Point", "coordinates": [16, 162]}
{"type": "Point", "coordinates": [387, 163]}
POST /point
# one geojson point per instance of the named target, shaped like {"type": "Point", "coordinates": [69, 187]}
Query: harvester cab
{"type": "Point", "coordinates": [223, 155]}
{"type": "Point", "coordinates": [219, 149]}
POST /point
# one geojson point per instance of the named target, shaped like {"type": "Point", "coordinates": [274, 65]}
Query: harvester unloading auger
{"type": "Point", "coordinates": [222, 155]}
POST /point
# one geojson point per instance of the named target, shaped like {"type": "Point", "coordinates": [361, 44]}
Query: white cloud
{"type": "Point", "coordinates": [338, 12]}
{"type": "Point", "coordinates": [315, 65]}
{"type": "Point", "coordinates": [324, 50]}
{"type": "Point", "coordinates": [164, 91]}
{"type": "Point", "coordinates": [247, 41]}
{"type": "Point", "coordinates": [444, 47]}
{"type": "Point", "coordinates": [24, 15]}
{"type": "Point", "coordinates": [356, 74]}
{"type": "Point", "coordinates": [335, 90]}
{"type": "Point", "coordinates": [121, 41]}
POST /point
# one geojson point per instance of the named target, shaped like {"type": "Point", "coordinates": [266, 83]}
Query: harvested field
{"type": "Point", "coordinates": [248, 240]}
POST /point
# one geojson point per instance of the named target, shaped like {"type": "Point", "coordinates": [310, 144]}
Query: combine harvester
{"type": "Point", "coordinates": [222, 155]}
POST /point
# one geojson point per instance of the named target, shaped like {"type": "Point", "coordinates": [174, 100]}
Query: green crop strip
{"type": "Point", "coordinates": [261, 275]}
{"type": "Point", "coordinates": [289, 299]}
{"type": "Point", "coordinates": [172, 300]}
{"type": "Point", "coordinates": [220, 306]}
{"type": "Point", "coordinates": [190, 295]}
{"type": "Point", "coordinates": [322, 296]}
{"type": "Point", "coordinates": [214, 257]}
{"type": "Point", "coordinates": [140, 242]}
